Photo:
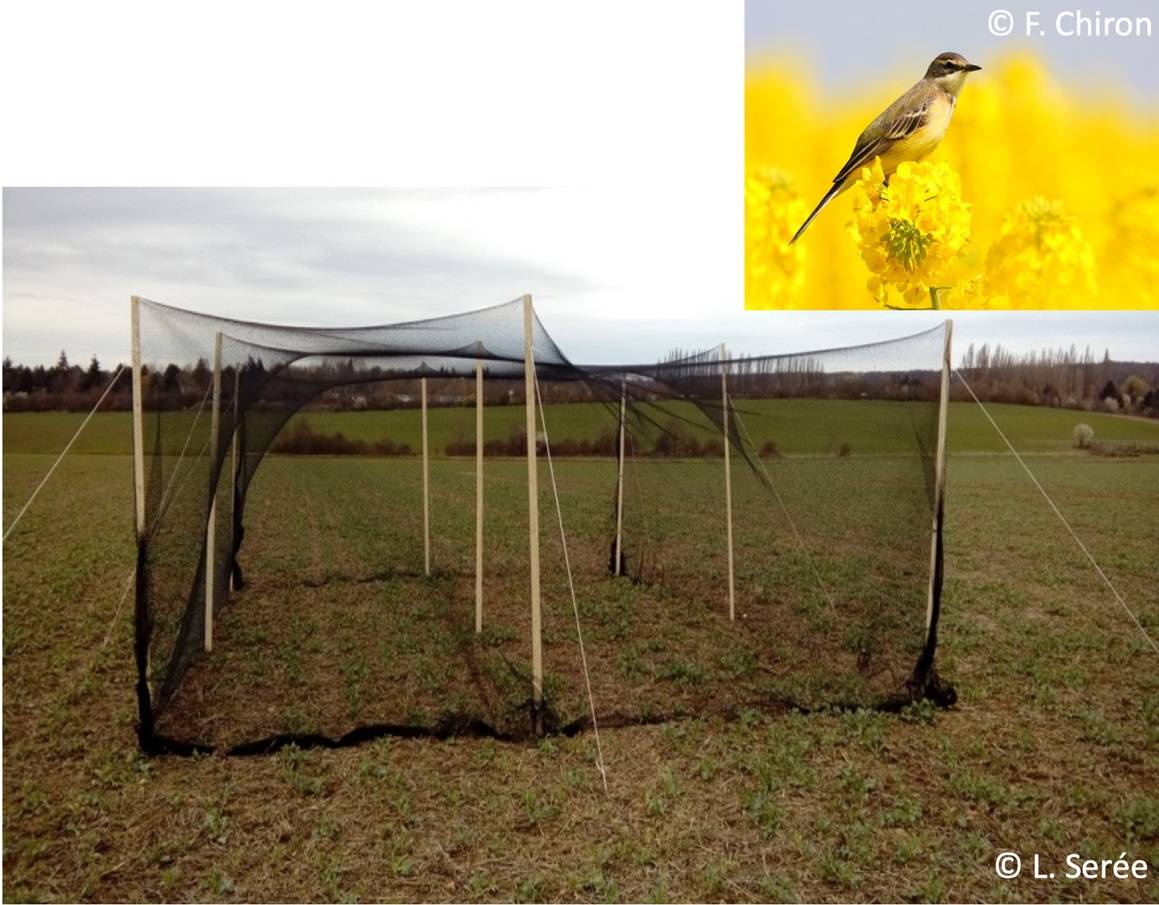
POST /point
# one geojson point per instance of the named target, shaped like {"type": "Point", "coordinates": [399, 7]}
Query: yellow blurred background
{"type": "Point", "coordinates": [1016, 135]}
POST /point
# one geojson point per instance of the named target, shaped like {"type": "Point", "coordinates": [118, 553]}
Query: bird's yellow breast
{"type": "Point", "coordinates": [923, 140]}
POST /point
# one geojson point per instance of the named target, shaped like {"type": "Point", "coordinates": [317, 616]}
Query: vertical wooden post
{"type": "Point", "coordinates": [211, 528]}
{"type": "Point", "coordinates": [139, 447]}
{"type": "Point", "coordinates": [233, 469]}
{"type": "Point", "coordinates": [727, 480]}
{"type": "Point", "coordinates": [138, 414]}
{"type": "Point", "coordinates": [426, 486]}
{"type": "Point", "coordinates": [939, 470]}
{"type": "Point", "coordinates": [532, 506]}
{"type": "Point", "coordinates": [478, 496]}
{"type": "Point", "coordinates": [620, 482]}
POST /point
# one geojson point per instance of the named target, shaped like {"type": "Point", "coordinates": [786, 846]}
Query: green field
{"type": "Point", "coordinates": [796, 422]}
{"type": "Point", "coordinates": [1051, 749]}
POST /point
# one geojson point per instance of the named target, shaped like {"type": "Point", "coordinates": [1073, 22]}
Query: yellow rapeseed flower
{"type": "Point", "coordinates": [970, 294]}
{"type": "Point", "coordinates": [1129, 264]}
{"type": "Point", "coordinates": [911, 233]}
{"type": "Point", "coordinates": [1040, 260]}
{"type": "Point", "coordinates": [773, 268]}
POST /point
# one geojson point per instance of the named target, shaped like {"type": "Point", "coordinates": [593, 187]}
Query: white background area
{"type": "Point", "coordinates": [609, 137]}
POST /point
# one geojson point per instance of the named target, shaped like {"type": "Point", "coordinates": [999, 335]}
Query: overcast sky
{"type": "Point", "coordinates": [613, 280]}
{"type": "Point", "coordinates": [846, 43]}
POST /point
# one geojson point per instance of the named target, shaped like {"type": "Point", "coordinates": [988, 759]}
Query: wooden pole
{"type": "Point", "coordinates": [532, 506]}
{"type": "Point", "coordinates": [233, 470]}
{"type": "Point", "coordinates": [727, 481]}
{"type": "Point", "coordinates": [478, 496]}
{"type": "Point", "coordinates": [211, 528]}
{"type": "Point", "coordinates": [138, 414]}
{"type": "Point", "coordinates": [939, 470]}
{"type": "Point", "coordinates": [620, 481]}
{"type": "Point", "coordinates": [426, 486]}
{"type": "Point", "coordinates": [139, 451]}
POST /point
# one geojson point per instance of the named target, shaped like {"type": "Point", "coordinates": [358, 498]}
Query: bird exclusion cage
{"type": "Point", "coordinates": [733, 531]}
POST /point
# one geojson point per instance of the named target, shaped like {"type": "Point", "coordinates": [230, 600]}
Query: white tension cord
{"type": "Point", "coordinates": [571, 587]}
{"type": "Point", "coordinates": [44, 480]}
{"type": "Point", "coordinates": [1061, 517]}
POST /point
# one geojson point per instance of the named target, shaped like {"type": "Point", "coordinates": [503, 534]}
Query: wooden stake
{"type": "Point", "coordinates": [620, 481]}
{"type": "Point", "coordinates": [233, 470]}
{"type": "Point", "coordinates": [426, 485]}
{"type": "Point", "coordinates": [532, 506]}
{"type": "Point", "coordinates": [727, 481]}
{"type": "Point", "coordinates": [211, 528]}
{"type": "Point", "coordinates": [939, 470]}
{"type": "Point", "coordinates": [138, 414]}
{"type": "Point", "coordinates": [478, 496]}
{"type": "Point", "coordinates": [139, 450]}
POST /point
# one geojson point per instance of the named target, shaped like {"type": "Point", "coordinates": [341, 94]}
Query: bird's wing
{"type": "Point", "coordinates": [902, 118]}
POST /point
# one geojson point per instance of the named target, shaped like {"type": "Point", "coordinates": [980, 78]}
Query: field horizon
{"type": "Point", "coordinates": [1031, 428]}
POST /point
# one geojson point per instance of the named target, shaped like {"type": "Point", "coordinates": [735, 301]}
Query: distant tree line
{"type": "Point", "coordinates": [1063, 378]}
{"type": "Point", "coordinates": [1060, 378]}
{"type": "Point", "coordinates": [340, 386]}
{"type": "Point", "coordinates": [63, 387]}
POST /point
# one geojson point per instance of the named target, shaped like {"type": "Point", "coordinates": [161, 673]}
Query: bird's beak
{"type": "Point", "coordinates": [972, 67]}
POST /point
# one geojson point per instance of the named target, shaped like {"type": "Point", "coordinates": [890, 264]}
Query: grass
{"type": "Point", "coordinates": [799, 426]}
{"type": "Point", "coordinates": [349, 581]}
{"type": "Point", "coordinates": [1050, 750]}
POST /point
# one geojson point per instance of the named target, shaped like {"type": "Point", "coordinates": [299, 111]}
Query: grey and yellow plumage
{"type": "Point", "coordinates": [908, 129]}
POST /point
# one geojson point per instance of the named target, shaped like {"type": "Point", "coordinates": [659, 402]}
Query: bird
{"type": "Point", "coordinates": [908, 129]}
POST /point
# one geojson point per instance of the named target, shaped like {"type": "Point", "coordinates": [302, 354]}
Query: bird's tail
{"type": "Point", "coordinates": [829, 196]}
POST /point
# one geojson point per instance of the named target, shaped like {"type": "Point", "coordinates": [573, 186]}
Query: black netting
{"type": "Point", "coordinates": [325, 621]}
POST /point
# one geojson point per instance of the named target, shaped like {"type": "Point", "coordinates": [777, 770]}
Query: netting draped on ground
{"type": "Point", "coordinates": [324, 621]}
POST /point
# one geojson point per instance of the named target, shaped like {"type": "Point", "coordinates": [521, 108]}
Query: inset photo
{"type": "Point", "coordinates": [950, 156]}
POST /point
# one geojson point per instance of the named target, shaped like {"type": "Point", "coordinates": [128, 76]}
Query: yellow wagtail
{"type": "Point", "coordinates": [908, 129]}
